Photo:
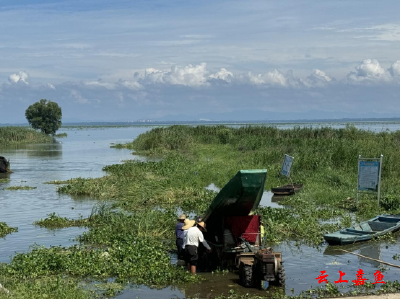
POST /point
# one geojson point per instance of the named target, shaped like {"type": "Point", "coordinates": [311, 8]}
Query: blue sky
{"type": "Point", "coordinates": [128, 60]}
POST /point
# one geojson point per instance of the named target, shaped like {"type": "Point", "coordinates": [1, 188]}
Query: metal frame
{"type": "Point", "coordinates": [380, 159]}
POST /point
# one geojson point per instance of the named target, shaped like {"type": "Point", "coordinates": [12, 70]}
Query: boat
{"type": "Point", "coordinates": [288, 189]}
{"type": "Point", "coordinates": [364, 231]}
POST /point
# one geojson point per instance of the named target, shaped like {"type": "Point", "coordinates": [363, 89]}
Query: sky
{"type": "Point", "coordinates": [189, 60]}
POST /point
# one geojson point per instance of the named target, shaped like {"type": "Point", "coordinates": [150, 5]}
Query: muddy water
{"type": "Point", "coordinates": [82, 154]}
{"type": "Point", "coordinates": [303, 265]}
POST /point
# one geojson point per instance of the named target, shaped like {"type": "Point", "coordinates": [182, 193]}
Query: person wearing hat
{"type": "Point", "coordinates": [179, 235]}
{"type": "Point", "coordinates": [195, 236]}
{"type": "Point", "coordinates": [186, 225]}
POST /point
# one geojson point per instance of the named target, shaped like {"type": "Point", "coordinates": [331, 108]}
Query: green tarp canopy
{"type": "Point", "coordinates": [240, 196]}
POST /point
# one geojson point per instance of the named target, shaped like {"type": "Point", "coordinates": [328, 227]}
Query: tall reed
{"type": "Point", "coordinates": [18, 135]}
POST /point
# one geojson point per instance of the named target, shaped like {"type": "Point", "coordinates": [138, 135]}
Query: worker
{"type": "Point", "coordinates": [195, 236]}
{"type": "Point", "coordinates": [179, 235]}
{"type": "Point", "coordinates": [186, 226]}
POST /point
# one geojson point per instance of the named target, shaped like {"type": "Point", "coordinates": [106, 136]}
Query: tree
{"type": "Point", "coordinates": [44, 115]}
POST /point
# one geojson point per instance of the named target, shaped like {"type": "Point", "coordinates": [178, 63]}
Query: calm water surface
{"type": "Point", "coordinates": [83, 154]}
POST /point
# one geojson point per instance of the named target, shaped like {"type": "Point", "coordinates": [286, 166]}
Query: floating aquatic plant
{"type": "Point", "coordinates": [5, 229]}
{"type": "Point", "coordinates": [15, 188]}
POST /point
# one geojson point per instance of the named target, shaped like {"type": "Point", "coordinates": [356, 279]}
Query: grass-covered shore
{"type": "Point", "coordinates": [12, 135]}
{"type": "Point", "coordinates": [131, 239]}
{"type": "Point", "coordinates": [193, 157]}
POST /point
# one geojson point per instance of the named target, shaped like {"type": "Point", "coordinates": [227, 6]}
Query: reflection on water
{"type": "Point", "coordinates": [369, 249]}
{"type": "Point", "coordinates": [216, 284]}
{"type": "Point", "coordinates": [50, 151]}
{"type": "Point", "coordinates": [268, 199]}
{"type": "Point", "coordinates": [82, 154]}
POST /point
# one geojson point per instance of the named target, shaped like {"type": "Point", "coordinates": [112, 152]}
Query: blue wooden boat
{"type": "Point", "coordinates": [364, 231]}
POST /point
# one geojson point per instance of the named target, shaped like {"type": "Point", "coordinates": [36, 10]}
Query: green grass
{"type": "Point", "coordinates": [22, 135]}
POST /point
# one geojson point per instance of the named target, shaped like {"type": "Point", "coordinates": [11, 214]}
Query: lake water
{"type": "Point", "coordinates": [82, 154]}
{"type": "Point", "coordinates": [86, 151]}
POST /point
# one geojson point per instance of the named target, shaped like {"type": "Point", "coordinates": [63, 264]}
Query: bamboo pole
{"type": "Point", "coordinates": [381, 261]}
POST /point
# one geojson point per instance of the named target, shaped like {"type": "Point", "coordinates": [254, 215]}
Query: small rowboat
{"type": "Point", "coordinates": [365, 231]}
{"type": "Point", "coordinates": [288, 189]}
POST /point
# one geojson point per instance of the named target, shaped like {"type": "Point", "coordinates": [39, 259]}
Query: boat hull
{"type": "Point", "coordinates": [365, 231]}
{"type": "Point", "coordinates": [288, 189]}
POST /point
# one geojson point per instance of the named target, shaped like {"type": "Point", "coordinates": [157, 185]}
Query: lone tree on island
{"type": "Point", "coordinates": [44, 115]}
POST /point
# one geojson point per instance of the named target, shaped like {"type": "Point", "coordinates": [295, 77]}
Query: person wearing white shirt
{"type": "Point", "coordinates": [194, 236]}
{"type": "Point", "coordinates": [186, 226]}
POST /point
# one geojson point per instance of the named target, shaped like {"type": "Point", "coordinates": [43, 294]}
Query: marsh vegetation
{"type": "Point", "coordinates": [16, 188]}
{"type": "Point", "coordinates": [22, 135]}
{"type": "Point", "coordinates": [194, 157]}
{"type": "Point", "coordinates": [130, 233]}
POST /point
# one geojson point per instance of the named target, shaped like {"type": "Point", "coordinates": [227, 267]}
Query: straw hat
{"type": "Point", "coordinates": [182, 217]}
{"type": "Point", "coordinates": [188, 223]}
{"type": "Point", "coordinates": [202, 225]}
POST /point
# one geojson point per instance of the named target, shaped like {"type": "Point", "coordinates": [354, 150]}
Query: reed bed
{"type": "Point", "coordinates": [21, 135]}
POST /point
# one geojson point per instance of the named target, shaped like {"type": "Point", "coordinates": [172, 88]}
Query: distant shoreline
{"type": "Point", "coordinates": [225, 122]}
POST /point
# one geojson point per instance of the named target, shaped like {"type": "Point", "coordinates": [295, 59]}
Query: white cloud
{"type": "Point", "coordinates": [195, 90]}
{"type": "Point", "coordinates": [274, 78]}
{"type": "Point", "coordinates": [384, 32]}
{"type": "Point", "coordinates": [222, 74]}
{"type": "Point", "coordinates": [368, 71]}
{"type": "Point", "coordinates": [189, 75]}
{"type": "Point", "coordinates": [389, 32]}
{"type": "Point", "coordinates": [132, 85]}
{"type": "Point", "coordinates": [100, 83]}
{"type": "Point", "coordinates": [20, 77]}
{"type": "Point", "coordinates": [318, 78]}
{"type": "Point", "coordinates": [370, 67]}
{"type": "Point", "coordinates": [395, 69]}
